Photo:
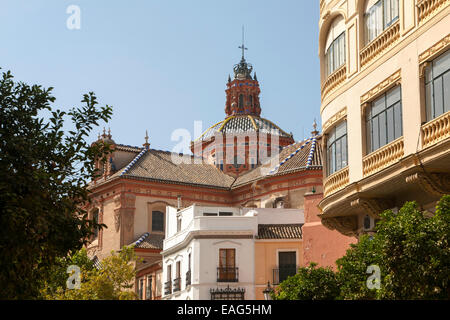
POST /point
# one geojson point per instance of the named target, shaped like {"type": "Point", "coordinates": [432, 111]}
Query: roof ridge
{"type": "Point", "coordinates": [290, 156]}
{"type": "Point", "coordinates": [128, 167]}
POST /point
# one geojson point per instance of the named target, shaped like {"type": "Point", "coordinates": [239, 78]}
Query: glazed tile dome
{"type": "Point", "coordinates": [239, 124]}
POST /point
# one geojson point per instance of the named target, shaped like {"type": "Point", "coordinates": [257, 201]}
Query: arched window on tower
{"type": "Point", "coordinates": [251, 100]}
{"type": "Point", "coordinates": [241, 101]}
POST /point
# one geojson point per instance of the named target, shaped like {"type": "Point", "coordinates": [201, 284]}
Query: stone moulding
{"type": "Point", "coordinates": [335, 182]}
{"type": "Point", "coordinates": [346, 225]}
{"type": "Point", "coordinates": [435, 50]}
{"type": "Point", "coordinates": [383, 157]}
{"type": "Point", "coordinates": [379, 44]}
{"type": "Point", "coordinates": [436, 130]}
{"type": "Point", "coordinates": [426, 9]}
{"type": "Point", "coordinates": [334, 119]}
{"type": "Point", "coordinates": [334, 80]}
{"type": "Point", "coordinates": [387, 83]}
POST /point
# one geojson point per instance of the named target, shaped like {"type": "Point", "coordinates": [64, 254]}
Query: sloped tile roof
{"type": "Point", "coordinates": [301, 155]}
{"type": "Point", "coordinates": [149, 241]}
{"type": "Point", "coordinates": [279, 231]}
{"type": "Point", "coordinates": [158, 165]}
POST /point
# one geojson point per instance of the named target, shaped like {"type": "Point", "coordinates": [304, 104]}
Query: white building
{"type": "Point", "coordinates": [209, 252]}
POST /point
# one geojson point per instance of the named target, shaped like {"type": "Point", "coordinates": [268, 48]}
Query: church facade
{"type": "Point", "coordinates": [244, 161]}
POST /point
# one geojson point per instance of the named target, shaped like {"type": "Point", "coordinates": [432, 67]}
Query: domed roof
{"type": "Point", "coordinates": [238, 124]}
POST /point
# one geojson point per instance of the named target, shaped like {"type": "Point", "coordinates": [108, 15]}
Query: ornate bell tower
{"type": "Point", "coordinates": [243, 91]}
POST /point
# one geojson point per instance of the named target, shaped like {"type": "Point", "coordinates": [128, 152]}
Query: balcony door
{"type": "Point", "coordinates": [227, 264]}
{"type": "Point", "coordinates": [287, 264]}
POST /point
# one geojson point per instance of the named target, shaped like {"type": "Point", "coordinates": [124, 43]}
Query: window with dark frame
{"type": "Point", "coordinates": [337, 150]}
{"type": "Point", "coordinates": [379, 17]}
{"type": "Point", "coordinates": [384, 120]}
{"type": "Point", "coordinates": [141, 289]}
{"type": "Point", "coordinates": [95, 218]}
{"type": "Point", "coordinates": [437, 86]}
{"type": "Point", "coordinates": [157, 221]}
{"type": "Point", "coordinates": [227, 270]}
{"type": "Point", "coordinates": [335, 55]}
{"type": "Point", "coordinates": [148, 291]}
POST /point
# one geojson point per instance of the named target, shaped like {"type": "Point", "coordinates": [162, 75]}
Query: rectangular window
{"type": "Point", "coordinates": [157, 221]}
{"type": "Point", "coordinates": [379, 17]}
{"type": "Point", "coordinates": [141, 289]}
{"type": "Point", "coordinates": [337, 148]}
{"type": "Point", "coordinates": [335, 55]}
{"type": "Point", "coordinates": [225, 214]}
{"type": "Point", "coordinates": [227, 270]}
{"type": "Point", "coordinates": [384, 120]}
{"type": "Point", "coordinates": [287, 265]}
{"type": "Point", "coordinates": [437, 86]}
{"type": "Point", "coordinates": [148, 291]}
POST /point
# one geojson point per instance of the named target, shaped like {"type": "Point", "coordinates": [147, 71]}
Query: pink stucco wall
{"type": "Point", "coordinates": [320, 244]}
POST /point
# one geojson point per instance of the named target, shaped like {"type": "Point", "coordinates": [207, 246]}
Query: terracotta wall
{"type": "Point", "coordinates": [320, 244]}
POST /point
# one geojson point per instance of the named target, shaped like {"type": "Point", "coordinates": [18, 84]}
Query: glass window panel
{"type": "Point", "coordinates": [393, 96]}
{"type": "Point", "coordinates": [375, 133]}
{"type": "Point", "coordinates": [390, 124]}
{"type": "Point", "coordinates": [429, 100]}
{"type": "Point", "coordinates": [338, 155]}
{"type": "Point", "coordinates": [378, 105]}
{"type": "Point", "coordinates": [438, 95]}
{"type": "Point", "coordinates": [344, 151]}
{"type": "Point", "coordinates": [368, 136]}
{"type": "Point", "coordinates": [383, 129]}
{"type": "Point", "coordinates": [446, 85]}
{"type": "Point", "coordinates": [341, 129]}
{"type": "Point", "coordinates": [333, 158]}
{"type": "Point", "coordinates": [441, 64]}
{"type": "Point", "coordinates": [398, 120]}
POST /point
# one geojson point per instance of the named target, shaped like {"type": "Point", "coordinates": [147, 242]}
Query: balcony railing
{"type": "Point", "coordinates": [436, 130]}
{"type": "Point", "coordinates": [335, 182]}
{"type": "Point", "coordinates": [334, 80]}
{"type": "Point", "coordinates": [379, 44]}
{"type": "Point", "coordinates": [227, 274]}
{"type": "Point", "coordinates": [168, 287]}
{"type": "Point", "coordinates": [427, 8]}
{"type": "Point", "coordinates": [188, 278]}
{"type": "Point", "coordinates": [383, 157]}
{"type": "Point", "coordinates": [177, 284]}
{"type": "Point", "coordinates": [282, 273]}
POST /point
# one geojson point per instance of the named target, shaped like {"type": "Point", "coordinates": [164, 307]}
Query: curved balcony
{"type": "Point", "coordinates": [383, 157]}
{"type": "Point", "coordinates": [436, 130]}
{"type": "Point", "coordinates": [426, 9]}
{"type": "Point", "coordinates": [334, 80]}
{"type": "Point", "coordinates": [380, 43]}
{"type": "Point", "coordinates": [335, 182]}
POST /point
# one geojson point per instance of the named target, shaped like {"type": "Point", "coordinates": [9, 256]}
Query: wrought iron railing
{"type": "Point", "coordinates": [227, 274]}
{"type": "Point", "coordinates": [168, 287]}
{"type": "Point", "coordinates": [188, 278]}
{"type": "Point", "coordinates": [282, 273]}
{"type": "Point", "coordinates": [177, 284]}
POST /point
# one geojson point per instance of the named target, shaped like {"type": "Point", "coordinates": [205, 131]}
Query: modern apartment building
{"type": "Point", "coordinates": [385, 86]}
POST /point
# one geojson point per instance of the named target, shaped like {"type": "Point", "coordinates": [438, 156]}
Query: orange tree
{"type": "Point", "coordinates": [44, 172]}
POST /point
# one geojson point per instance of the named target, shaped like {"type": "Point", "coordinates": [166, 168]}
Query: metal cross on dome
{"type": "Point", "coordinates": [243, 46]}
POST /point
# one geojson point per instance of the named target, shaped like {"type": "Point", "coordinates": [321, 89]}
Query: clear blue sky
{"type": "Point", "coordinates": [162, 64]}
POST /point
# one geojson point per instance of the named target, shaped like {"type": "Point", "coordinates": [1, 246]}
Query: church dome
{"type": "Point", "coordinates": [243, 124]}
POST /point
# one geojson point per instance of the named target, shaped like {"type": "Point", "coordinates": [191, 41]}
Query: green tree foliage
{"type": "Point", "coordinates": [44, 173]}
{"type": "Point", "coordinates": [113, 281]}
{"type": "Point", "coordinates": [411, 248]}
{"type": "Point", "coordinates": [310, 283]}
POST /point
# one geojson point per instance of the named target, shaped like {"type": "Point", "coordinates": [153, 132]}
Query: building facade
{"type": "Point", "coordinates": [385, 80]}
{"type": "Point", "coordinates": [227, 253]}
{"type": "Point", "coordinates": [137, 185]}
